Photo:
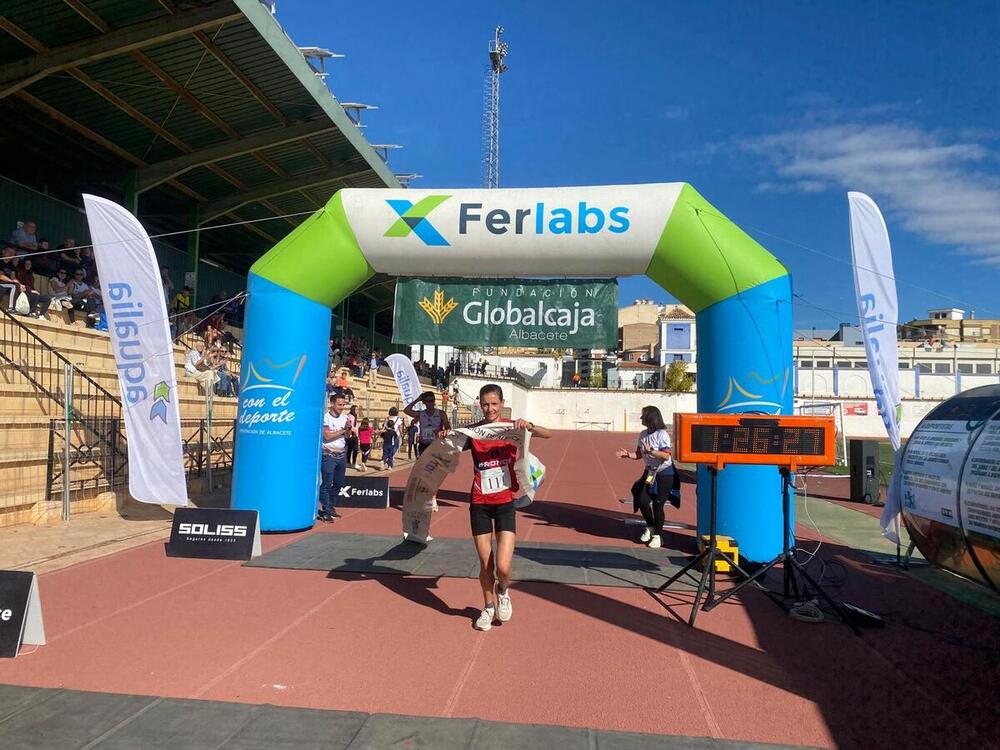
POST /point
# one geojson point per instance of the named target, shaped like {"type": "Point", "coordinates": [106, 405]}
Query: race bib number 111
{"type": "Point", "coordinates": [494, 480]}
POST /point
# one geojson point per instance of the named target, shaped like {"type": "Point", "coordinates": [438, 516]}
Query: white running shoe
{"type": "Point", "coordinates": [646, 535]}
{"type": "Point", "coordinates": [485, 619]}
{"type": "Point", "coordinates": [504, 608]}
{"type": "Point", "coordinates": [434, 504]}
{"type": "Point", "coordinates": [654, 543]}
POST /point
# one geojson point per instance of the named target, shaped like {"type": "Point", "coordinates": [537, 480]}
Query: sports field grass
{"type": "Point", "coordinates": [885, 461]}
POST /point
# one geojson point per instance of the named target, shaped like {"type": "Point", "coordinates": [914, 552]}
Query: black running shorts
{"type": "Point", "coordinates": [487, 518]}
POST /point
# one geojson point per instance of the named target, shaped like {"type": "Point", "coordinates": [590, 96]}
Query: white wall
{"type": "Point", "coordinates": [856, 383]}
{"type": "Point", "coordinates": [601, 409]}
{"type": "Point", "coordinates": [582, 408]}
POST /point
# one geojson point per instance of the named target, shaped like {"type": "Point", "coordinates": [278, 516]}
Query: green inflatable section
{"type": "Point", "coordinates": [703, 258]}
{"type": "Point", "coordinates": [320, 259]}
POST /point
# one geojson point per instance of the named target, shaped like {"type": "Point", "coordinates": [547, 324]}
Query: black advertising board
{"type": "Point", "coordinates": [215, 534]}
{"type": "Point", "coordinates": [20, 612]}
{"type": "Point", "coordinates": [364, 492]}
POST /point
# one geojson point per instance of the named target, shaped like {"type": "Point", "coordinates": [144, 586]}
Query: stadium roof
{"type": "Point", "coordinates": [190, 103]}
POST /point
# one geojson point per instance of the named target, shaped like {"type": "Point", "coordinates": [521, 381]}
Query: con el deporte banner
{"type": "Point", "coordinates": [506, 312]}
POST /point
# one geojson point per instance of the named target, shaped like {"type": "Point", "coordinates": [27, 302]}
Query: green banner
{"type": "Point", "coordinates": [579, 314]}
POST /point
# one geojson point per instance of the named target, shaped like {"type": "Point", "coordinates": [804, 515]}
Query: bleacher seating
{"type": "Point", "coordinates": [26, 495]}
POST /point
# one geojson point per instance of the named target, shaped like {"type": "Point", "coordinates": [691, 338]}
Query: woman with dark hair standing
{"type": "Point", "coordinates": [654, 488]}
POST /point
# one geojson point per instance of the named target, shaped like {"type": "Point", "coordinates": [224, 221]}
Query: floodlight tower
{"type": "Point", "coordinates": [491, 110]}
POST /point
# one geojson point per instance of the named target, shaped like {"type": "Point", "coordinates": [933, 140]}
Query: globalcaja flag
{"type": "Point", "coordinates": [577, 313]}
{"type": "Point", "coordinates": [144, 354]}
{"type": "Point", "coordinates": [875, 284]}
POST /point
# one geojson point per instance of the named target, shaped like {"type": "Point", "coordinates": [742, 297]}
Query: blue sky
{"type": "Point", "coordinates": [772, 110]}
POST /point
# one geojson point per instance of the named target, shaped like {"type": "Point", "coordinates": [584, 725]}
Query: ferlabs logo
{"type": "Point", "coordinates": [413, 218]}
{"type": "Point", "coordinates": [438, 310]}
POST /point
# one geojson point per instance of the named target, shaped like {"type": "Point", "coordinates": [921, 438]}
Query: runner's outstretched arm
{"type": "Point", "coordinates": [534, 429]}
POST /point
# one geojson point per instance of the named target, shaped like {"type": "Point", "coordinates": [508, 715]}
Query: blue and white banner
{"type": "Point", "coordinates": [875, 284]}
{"type": "Point", "coordinates": [144, 354]}
{"type": "Point", "coordinates": [405, 375]}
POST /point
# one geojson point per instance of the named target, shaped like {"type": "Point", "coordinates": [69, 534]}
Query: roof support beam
{"type": "Point", "coordinates": [80, 129]}
{"type": "Point", "coordinates": [214, 209]}
{"type": "Point", "coordinates": [162, 171]}
{"type": "Point", "coordinates": [17, 75]}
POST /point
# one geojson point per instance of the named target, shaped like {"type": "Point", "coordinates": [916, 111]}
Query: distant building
{"type": "Point", "coordinates": [678, 336]}
{"type": "Point", "coordinates": [634, 375]}
{"type": "Point", "coordinates": [950, 325]}
{"type": "Point", "coordinates": [640, 311]}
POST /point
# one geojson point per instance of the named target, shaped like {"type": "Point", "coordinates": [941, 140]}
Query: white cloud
{"type": "Point", "coordinates": [941, 189]}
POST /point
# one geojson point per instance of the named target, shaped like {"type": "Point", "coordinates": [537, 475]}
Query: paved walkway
{"type": "Point", "coordinates": [587, 657]}
{"type": "Point", "coordinates": [47, 547]}
{"type": "Point", "coordinates": [45, 719]}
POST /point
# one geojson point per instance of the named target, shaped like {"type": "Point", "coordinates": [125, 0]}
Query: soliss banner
{"type": "Point", "coordinates": [506, 312]}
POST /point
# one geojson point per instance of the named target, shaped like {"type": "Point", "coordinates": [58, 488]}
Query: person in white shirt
{"type": "Point", "coordinates": [201, 367]}
{"type": "Point", "coordinates": [656, 485]}
{"type": "Point", "coordinates": [333, 462]}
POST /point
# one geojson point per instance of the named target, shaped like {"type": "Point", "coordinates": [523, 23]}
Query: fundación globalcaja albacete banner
{"type": "Point", "coordinates": [581, 313]}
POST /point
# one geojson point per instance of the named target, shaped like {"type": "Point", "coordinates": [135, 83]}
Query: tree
{"type": "Point", "coordinates": [678, 378]}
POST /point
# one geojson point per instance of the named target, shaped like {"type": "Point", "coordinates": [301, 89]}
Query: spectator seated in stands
{"type": "Point", "coordinates": [10, 287]}
{"type": "Point", "coordinates": [85, 298]}
{"type": "Point", "coordinates": [59, 291]}
{"type": "Point", "coordinates": [23, 238]}
{"type": "Point", "coordinates": [88, 264]}
{"type": "Point", "coordinates": [39, 302]}
{"type": "Point", "coordinates": [342, 386]}
{"type": "Point", "coordinates": [202, 367]}
{"type": "Point", "coordinates": [227, 309]}
{"type": "Point", "coordinates": [227, 384]}
{"type": "Point", "coordinates": [12, 278]}
{"type": "Point", "coordinates": [70, 258]}
{"type": "Point", "coordinates": [215, 332]}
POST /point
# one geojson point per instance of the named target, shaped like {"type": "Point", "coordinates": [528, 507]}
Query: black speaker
{"type": "Point", "coordinates": [863, 456]}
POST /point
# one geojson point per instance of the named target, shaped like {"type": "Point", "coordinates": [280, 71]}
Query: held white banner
{"type": "Point", "coordinates": [875, 284]}
{"type": "Point", "coordinates": [143, 348]}
{"type": "Point", "coordinates": [611, 230]}
{"type": "Point", "coordinates": [405, 375]}
{"type": "Point", "coordinates": [442, 458]}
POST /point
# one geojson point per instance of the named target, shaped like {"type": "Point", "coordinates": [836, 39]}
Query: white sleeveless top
{"type": "Point", "coordinates": [430, 425]}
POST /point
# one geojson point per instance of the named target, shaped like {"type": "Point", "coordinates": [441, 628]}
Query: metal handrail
{"type": "Point", "coordinates": [22, 335]}
{"type": "Point", "coordinates": [92, 406]}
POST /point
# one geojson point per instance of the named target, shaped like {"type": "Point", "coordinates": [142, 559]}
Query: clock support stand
{"type": "Point", "coordinates": [707, 558]}
{"type": "Point", "coordinates": [792, 590]}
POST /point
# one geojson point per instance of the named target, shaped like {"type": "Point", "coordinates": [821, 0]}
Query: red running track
{"type": "Point", "coordinates": [607, 658]}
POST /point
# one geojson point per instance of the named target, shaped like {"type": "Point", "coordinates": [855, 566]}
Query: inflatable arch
{"type": "Point", "coordinates": [740, 293]}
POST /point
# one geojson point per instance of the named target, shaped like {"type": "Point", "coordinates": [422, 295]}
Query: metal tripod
{"type": "Point", "coordinates": [707, 557]}
{"type": "Point", "coordinates": [791, 568]}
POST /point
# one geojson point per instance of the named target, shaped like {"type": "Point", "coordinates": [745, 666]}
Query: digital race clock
{"type": "Point", "coordinates": [775, 440]}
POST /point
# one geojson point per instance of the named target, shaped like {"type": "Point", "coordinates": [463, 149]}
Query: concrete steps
{"type": "Point", "coordinates": [26, 414]}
